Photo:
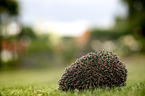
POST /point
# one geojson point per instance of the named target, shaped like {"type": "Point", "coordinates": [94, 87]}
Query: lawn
{"type": "Point", "coordinates": [45, 82]}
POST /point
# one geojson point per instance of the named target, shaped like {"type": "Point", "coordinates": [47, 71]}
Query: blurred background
{"type": "Point", "coordinates": [36, 34]}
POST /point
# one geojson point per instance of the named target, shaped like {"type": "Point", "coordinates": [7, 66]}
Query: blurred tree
{"type": "Point", "coordinates": [136, 13]}
{"type": "Point", "coordinates": [7, 8]}
{"type": "Point", "coordinates": [135, 8]}
{"type": "Point", "coordinates": [136, 19]}
{"type": "Point", "coordinates": [27, 31]}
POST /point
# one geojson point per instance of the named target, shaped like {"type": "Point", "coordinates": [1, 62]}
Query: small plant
{"type": "Point", "coordinates": [99, 69]}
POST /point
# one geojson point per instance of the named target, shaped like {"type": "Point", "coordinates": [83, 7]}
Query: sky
{"type": "Point", "coordinates": [67, 13]}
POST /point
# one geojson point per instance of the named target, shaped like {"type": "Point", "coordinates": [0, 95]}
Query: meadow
{"type": "Point", "coordinates": [44, 82]}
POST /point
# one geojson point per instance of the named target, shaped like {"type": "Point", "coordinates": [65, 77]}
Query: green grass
{"type": "Point", "coordinates": [45, 82]}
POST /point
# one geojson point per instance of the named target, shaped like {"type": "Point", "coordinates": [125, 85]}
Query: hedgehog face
{"type": "Point", "coordinates": [94, 70]}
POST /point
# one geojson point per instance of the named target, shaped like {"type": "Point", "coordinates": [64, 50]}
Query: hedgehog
{"type": "Point", "coordinates": [94, 70]}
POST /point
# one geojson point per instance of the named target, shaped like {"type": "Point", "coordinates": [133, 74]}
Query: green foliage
{"type": "Point", "coordinates": [94, 70]}
{"type": "Point", "coordinates": [9, 6]}
{"type": "Point", "coordinates": [106, 34]}
{"type": "Point", "coordinates": [135, 7]}
{"type": "Point", "coordinates": [69, 49]}
{"type": "Point", "coordinates": [27, 31]}
{"type": "Point", "coordinates": [136, 20]}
